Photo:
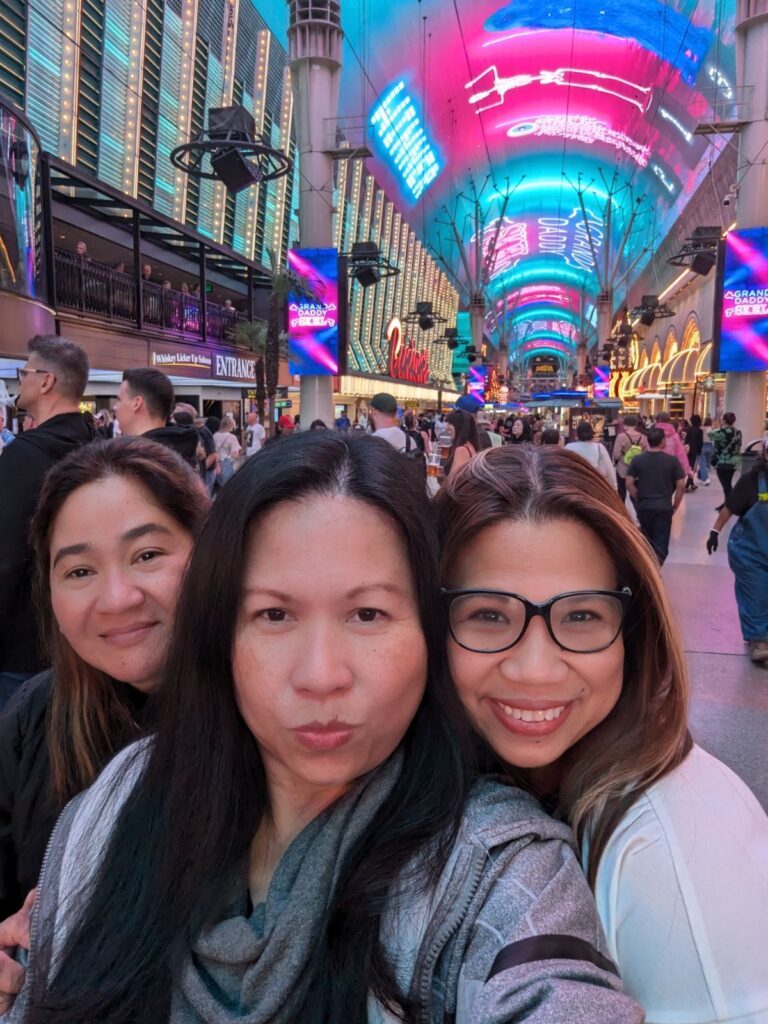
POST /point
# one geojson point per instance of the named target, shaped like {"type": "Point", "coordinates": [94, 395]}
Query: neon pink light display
{"type": "Point", "coordinates": [580, 128]}
{"type": "Point", "coordinates": [572, 78]}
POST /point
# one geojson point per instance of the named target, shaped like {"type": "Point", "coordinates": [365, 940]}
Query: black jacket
{"type": "Point", "coordinates": [28, 811]}
{"type": "Point", "coordinates": [23, 467]}
{"type": "Point", "coordinates": [183, 440]}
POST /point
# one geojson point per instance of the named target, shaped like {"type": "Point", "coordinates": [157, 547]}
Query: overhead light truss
{"type": "Point", "coordinates": [425, 316]}
{"type": "Point", "coordinates": [699, 251]}
{"type": "Point", "coordinates": [367, 265]}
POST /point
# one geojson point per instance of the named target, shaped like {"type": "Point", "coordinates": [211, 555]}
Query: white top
{"type": "Point", "coordinates": [254, 436]}
{"type": "Point", "coordinates": [682, 892]}
{"type": "Point", "coordinates": [597, 456]}
{"type": "Point", "coordinates": [394, 435]}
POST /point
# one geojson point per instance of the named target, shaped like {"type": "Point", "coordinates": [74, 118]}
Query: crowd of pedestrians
{"type": "Point", "coordinates": [443, 774]}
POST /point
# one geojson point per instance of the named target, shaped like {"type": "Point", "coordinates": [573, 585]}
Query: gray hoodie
{"type": "Point", "coordinates": [510, 933]}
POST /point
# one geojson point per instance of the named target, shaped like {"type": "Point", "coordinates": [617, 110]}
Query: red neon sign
{"type": "Point", "coordinates": [405, 361]}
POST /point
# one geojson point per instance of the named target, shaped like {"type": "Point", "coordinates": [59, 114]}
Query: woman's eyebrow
{"type": "Point", "coordinates": [136, 533]}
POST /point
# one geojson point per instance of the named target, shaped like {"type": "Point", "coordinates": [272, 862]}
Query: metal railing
{"type": "Point", "coordinates": [95, 288]}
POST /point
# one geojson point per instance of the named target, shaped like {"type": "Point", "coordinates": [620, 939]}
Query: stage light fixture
{"type": "Point", "coordinates": [234, 170]}
{"type": "Point", "coordinates": [699, 252]}
{"type": "Point", "coordinates": [238, 157]}
{"type": "Point", "coordinates": [703, 262]}
{"type": "Point", "coordinates": [424, 316]}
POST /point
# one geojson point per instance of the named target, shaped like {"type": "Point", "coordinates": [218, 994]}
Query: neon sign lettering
{"type": "Point", "coordinates": [311, 314]}
{"type": "Point", "coordinates": [511, 244]}
{"type": "Point", "coordinates": [578, 128]}
{"type": "Point", "coordinates": [405, 361]}
{"type": "Point", "coordinates": [557, 233]}
{"type": "Point", "coordinates": [749, 303]}
{"type": "Point", "coordinates": [573, 78]}
{"type": "Point", "coordinates": [405, 141]}
{"type": "Point", "coordinates": [665, 114]}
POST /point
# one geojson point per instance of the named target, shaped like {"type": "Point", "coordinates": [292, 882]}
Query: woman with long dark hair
{"type": "Point", "coordinates": [564, 650]}
{"type": "Point", "coordinates": [463, 427]}
{"type": "Point", "coordinates": [112, 534]}
{"type": "Point", "coordinates": [295, 844]}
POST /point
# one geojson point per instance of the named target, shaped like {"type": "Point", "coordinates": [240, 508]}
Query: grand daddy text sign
{"type": "Point", "coordinates": [405, 361]}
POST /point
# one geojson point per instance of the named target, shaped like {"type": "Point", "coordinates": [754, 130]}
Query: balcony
{"type": "Point", "coordinates": [98, 290]}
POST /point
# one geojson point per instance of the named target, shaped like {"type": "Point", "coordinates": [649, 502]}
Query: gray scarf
{"type": "Point", "coordinates": [253, 970]}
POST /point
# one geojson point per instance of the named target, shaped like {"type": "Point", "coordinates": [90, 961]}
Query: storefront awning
{"type": "Point", "coordinates": [644, 379]}
{"type": "Point", "coordinates": [680, 368]}
{"type": "Point", "coordinates": [685, 366]}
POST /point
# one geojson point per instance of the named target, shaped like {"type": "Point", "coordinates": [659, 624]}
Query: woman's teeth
{"type": "Point", "coordinates": [523, 715]}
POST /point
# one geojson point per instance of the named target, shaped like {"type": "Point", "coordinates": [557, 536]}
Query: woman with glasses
{"type": "Point", "coordinates": [564, 652]}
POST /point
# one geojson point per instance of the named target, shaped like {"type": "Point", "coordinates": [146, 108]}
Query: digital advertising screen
{"type": "Point", "coordinates": [601, 382]}
{"type": "Point", "coordinates": [741, 313]}
{"type": "Point", "coordinates": [313, 317]}
{"type": "Point", "coordinates": [477, 378]}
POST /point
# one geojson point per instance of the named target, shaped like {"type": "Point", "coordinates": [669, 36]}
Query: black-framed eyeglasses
{"type": "Point", "coordinates": [22, 371]}
{"type": "Point", "coordinates": [580, 621]}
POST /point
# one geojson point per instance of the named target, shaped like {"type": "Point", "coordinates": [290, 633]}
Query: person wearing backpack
{"type": "Point", "coordinates": [726, 455]}
{"type": "Point", "coordinates": [630, 442]}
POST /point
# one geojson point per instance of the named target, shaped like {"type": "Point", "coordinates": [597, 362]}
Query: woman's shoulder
{"type": "Point", "coordinates": [681, 890]}
{"type": "Point", "coordinates": [697, 810]}
{"type": "Point", "coordinates": [25, 712]}
{"type": "Point", "coordinates": [498, 812]}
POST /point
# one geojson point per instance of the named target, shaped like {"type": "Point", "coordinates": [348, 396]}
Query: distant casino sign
{"type": "Point", "coordinates": [405, 360]}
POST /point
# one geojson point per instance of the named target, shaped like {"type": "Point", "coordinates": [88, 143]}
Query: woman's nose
{"type": "Point", "coordinates": [324, 666]}
{"type": "Point", "coordinates": [536, 659]}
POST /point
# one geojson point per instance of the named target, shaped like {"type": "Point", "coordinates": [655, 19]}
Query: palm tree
{"type": "Point", "coordinates": [269, 340]}
{"type": "Point", "coordinates": [253, 335]}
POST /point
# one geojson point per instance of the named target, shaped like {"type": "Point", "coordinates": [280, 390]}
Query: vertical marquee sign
{"type": "Point", "coordinates": [741, 303]}
{"type": "Point", "coordinates": [313, 318]}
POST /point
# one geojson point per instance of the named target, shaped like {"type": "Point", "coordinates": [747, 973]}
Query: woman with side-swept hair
{"type": "Point", "coordinates": [296, 844]}
{"type": "Point", "coordinates": [112, 534]}
{"type": "Point", "coordinates": [565, 654]}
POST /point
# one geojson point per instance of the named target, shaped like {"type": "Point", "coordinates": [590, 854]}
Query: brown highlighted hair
{"type": "Point", "coordinates": [86, 723]}
{"type": "Point", "coordinates": [646, 735]}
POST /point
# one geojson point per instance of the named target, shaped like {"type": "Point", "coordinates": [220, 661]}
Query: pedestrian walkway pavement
{"type": "Point", "coordinates": [729, 712]}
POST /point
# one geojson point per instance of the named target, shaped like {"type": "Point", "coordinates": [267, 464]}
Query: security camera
{"type": "Point", "coordinates": [727, 201]}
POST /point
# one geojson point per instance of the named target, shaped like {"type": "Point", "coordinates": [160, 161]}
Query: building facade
{"type": "Point", "coordinates": [113, 86]}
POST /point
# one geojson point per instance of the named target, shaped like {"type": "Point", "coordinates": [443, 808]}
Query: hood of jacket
{"type": "Point", "coordinates": [61, 434]}
{"type": "Point", "coordinates": [182, 439]}
{"type": "Point", "coordinates": [668, 430]}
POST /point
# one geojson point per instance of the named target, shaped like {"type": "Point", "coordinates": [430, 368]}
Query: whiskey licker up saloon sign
{"type": "Point", "coordinates": [405, 360]}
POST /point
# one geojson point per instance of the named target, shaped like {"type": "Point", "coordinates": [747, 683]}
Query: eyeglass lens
{"type": "Point", "coordinates": [491, 622]}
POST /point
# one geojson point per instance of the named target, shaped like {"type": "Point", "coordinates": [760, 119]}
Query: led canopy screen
{"type": "Point", "coordinates": [313, 317]}
{"type": "Point", "coordinates": [742, 317]}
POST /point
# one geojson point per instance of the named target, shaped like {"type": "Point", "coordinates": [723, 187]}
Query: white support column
{"type": "Point", "coordinates": [315, 47]}
{"type": "Point", "coordinates": [745, 392]}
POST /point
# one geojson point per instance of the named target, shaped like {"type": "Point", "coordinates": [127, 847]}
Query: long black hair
{"type": "Point", "coordinates": [189, 822]}
{"type": "Point", "coordinates": [465, 432]}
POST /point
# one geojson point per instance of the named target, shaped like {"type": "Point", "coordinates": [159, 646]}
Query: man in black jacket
{"type": "Point", "coordinates": [51, 387]}
{"type": "Point", "coordinates": [143, 408]}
